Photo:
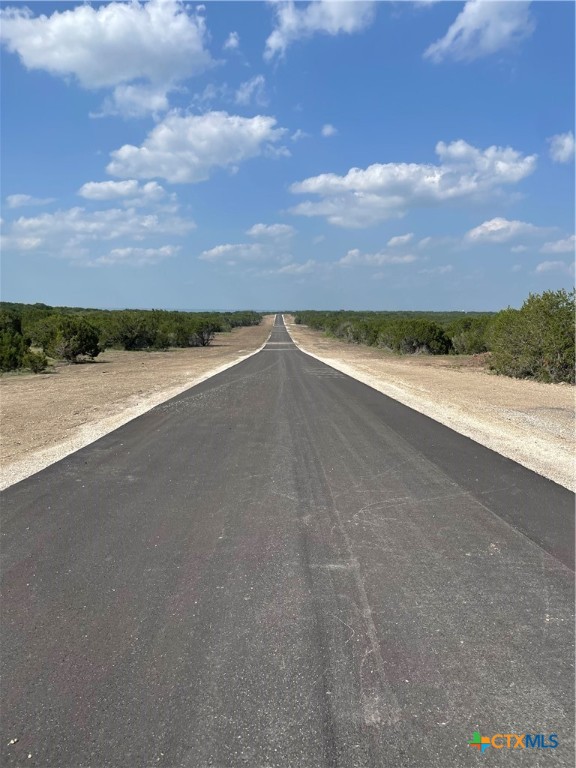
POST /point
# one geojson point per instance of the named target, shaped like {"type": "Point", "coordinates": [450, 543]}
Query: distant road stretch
{"type": "Point", "coordinates": [284, 567]}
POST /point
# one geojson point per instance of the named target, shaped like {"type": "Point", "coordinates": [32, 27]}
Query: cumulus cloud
{"type": "Point", "coordinates": [234, 253]}
{"type": "Point", "coordinates": [135, 101]}
{"type": "Point", "coordinates": [19, 201]}
{"type": "Point", "coordinates": [129, 191]}
{"type": "Point", "coordinates": [186, 149]}
{"type": "Point", "coordinates": [253, 90]}
{"type": "Point", "coordinates": [355, 257]}
{"type": "Point", "coordinates": [562, 147]}
{"type": "Point", "coordinates": [552, 266]}
{"type": "Point", "coordinates": [483, 28]}
{"type": "Point", "coordinates": [501, 230]}
{"type": "Point", "coordinates": [141, 50]}
{"type": "Point", "coordinates": [328, 130]}
{"type": "Point", "coordinates": [297, 268]}
{"type": "Point", "coordinates": [15, 243]}
{"type": "Point", "coordinates": [275, 231]}
{"type": "Point", "coordinates": [298, 135]}
{"type": "Point", "coordinates": [365, 196]}
{"type": "Point", "coordinates": [134, 257]}
{"type": "Point", "coordinates": [400, 240]}
{"type": "Point", "coordinates": [272, 245]}
{"type": "Point", "coordinates": [80, 235]}
{"type": "Point", "coordinates": [232, 42]}
{"type": "Point", "coordinates": [298, 21]}
{"type": "Point", "coordinates": [567, 245]}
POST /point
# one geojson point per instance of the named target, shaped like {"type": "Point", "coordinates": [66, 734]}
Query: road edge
{"type": "Point", "coordinates": [473, 433]}
{"type": "Point", "coordinates": [88, 433]}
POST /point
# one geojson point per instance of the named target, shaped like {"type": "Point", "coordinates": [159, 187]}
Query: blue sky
{"type": "Point", "coordinates": [338, 155]}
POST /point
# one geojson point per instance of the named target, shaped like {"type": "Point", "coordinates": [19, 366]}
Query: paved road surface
{"type": "Point", "coordinates": [283, 567]}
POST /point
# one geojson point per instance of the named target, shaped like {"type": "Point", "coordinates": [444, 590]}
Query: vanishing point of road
{"type": "Point", "coordinates": [282, 567]}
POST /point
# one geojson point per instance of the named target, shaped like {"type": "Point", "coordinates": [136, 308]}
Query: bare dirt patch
{"type": "Point", "coordinates": [529, 422]}
{"type": "Point", "coordinates": [44, 417]}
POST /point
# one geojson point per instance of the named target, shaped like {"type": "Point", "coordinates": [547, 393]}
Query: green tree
{"type": "Point", "coordinates": [537, 340]}
{"type": "Point", "coordinates": [67, 337]}
{"type": "Point", "coordinates": [415, 335]}
{"type": "Point", "coordinates": [469, 335]}
{"type": "Point", "coordinates": [15, 350]}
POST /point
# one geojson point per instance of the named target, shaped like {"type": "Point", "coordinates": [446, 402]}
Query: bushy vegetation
{"type": "Point", "coordinates": [436, 333]}
{"type": "Point", "coordinates": [66, 337]}
{"type": "Point", "coordinates": [536, 341]}
{"type": "Point", "coordinates": [15, 349]}
{"type": "Point", "coordinates": [74, 333]}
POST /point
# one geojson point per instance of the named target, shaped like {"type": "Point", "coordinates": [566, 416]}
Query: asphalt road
{"type": "Point", "coordinates": [284, 567]}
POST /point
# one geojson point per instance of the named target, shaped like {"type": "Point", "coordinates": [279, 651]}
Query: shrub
{"type": "Point", "coordinates": [133, 330]}
{"type": "Point", "coordinates": [411, 336]}
{"type": "Point", "coordinates": [536, 341]}
{"type": "Point", "coordinates": [469, 335]}
{"type": "Point", "coordinates": [205, 332]}
{"type": "Point", "coordinates": [36, 361]}
{"type": "Point", "coordinates": [67, 337]}
{"type": "Point", "coordinates": [15, 347]}
{"type": "Point", "coordinates": [12, 350]}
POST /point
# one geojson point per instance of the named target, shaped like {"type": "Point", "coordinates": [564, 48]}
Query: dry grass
{"type": "Point", "coordinates": [46, 416]}
{"type": "Point", "coordinates": [527, 421]}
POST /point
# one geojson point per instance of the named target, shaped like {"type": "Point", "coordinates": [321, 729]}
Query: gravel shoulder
{"type": "Point", "coordinates": [44, 417]}
{"type": "Point", "coordinates": [526, 421]}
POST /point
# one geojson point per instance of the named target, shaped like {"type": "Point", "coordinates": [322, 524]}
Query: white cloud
{"type": "Point", "coordinates": [551, 266]}
{"type": "Point", "coordinates": [567, 245]}
{"type": "Point", "coordinates": [519, 248]}
{"type": "Point", "coordinates": [298, 135]}
{"type": "Point", "coordinates": [235, 253]}
{"type": "Point", "coordinates": [142, 50]}
{"type": "Point", "coordinates": [134, 257]}
{"type": "Point", "coordinates": [253, 90]}
{"type": "Point", "coordinates": [212, 93]}
{"type": "Point", "coordinates": [129, 190]}
{"type": "Point", "coordinates": [280, 151]}
{"type": "Point", "coordinates": [19, 201]}
{"type": "Point", "coordinates": [501, 230]}
{"type": "Point", "coordinates": [12, 243]}
{"type": "Point", "coordinates": [80, 235]}
{"type": "Point", "coordinates": [366, 196]}
{"type": "Point", "coordinates": [186, 149]}
{"type": "Point", "coordinates": [483, 28]}
{"type": "Point", "coordinates": [328, 130]}
{"type": "Point", "coordinates": [400, 240]}
{"type": "Point", "coordinates": [275, 231]}
{"type": "Point", "coordinates": [296, 268]}
{"type": "Point", "coordinates": [562, 147]}
{"type": "Point", "coordinates": [272, 246]}
{"type": "Point", "coordinates": [444, 269]}
{"type": "Point", "coordinates": [232, 42]}
{"type": "Point", "coordinates": [135, 101]}
{"type": "Point", "coordinates": [356, 257]}
{"type": "Point", "coordinates": [297, 22]}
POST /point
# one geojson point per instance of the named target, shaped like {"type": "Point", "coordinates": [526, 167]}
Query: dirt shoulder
{"type": "Point", "coordinates": [44, 417]}
{"type": "Point", "coordinates": [529, 422]}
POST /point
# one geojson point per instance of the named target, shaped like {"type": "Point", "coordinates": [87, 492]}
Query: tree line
{"type": "Point", "coordinates": [535, 341]}
{"type": "Point", "coordinates": [31, 333]}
